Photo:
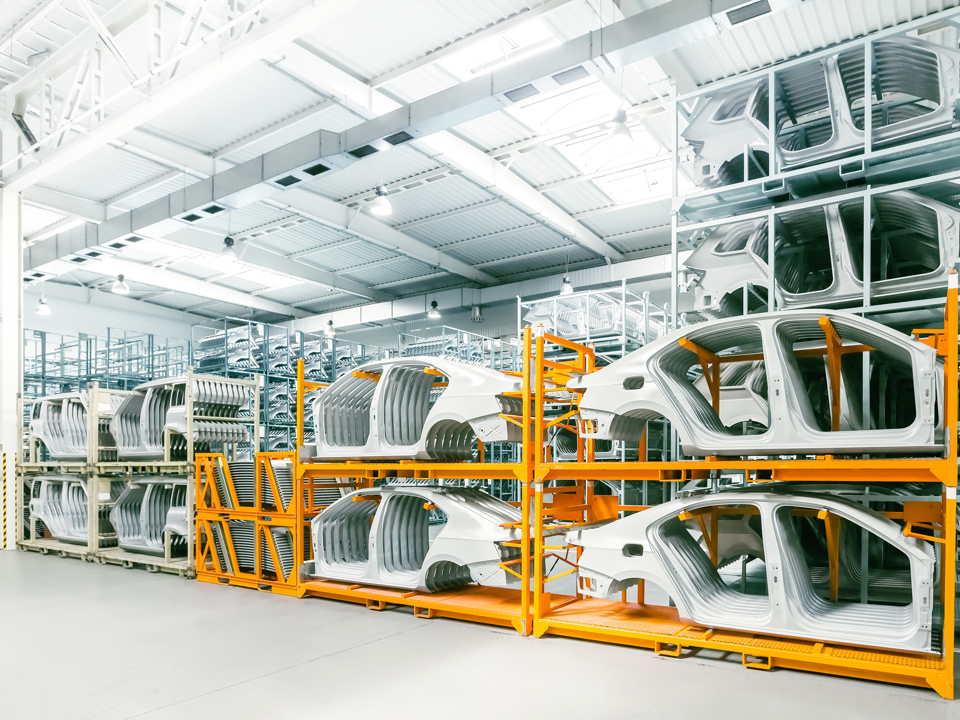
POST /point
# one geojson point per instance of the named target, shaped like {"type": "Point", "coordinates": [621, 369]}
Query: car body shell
{"type": "Point", "coordinates": [388, 546]}
{"type": "Point", "coordinates": [384, 410]}
{"type": "Point", "coordinates": [653, 546]}
{"type": "Point", "coordinates": [722, 272]}
{"type": "Point", "coordinates": [651, 382]}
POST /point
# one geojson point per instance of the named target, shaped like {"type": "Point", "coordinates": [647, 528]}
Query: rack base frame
{"type": "Point", "coordinates": [506, 607]}
{"type": "Point", "coordinates": [489, 605]}
{"type": "Point", "coordinates": [660, 629]}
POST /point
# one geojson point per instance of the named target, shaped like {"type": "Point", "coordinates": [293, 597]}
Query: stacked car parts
{"type": "Point", "coordinates": [403, 409]}
{"type": "Point", "coordinates": [155, 407]}
{"type": "Point", "coordinates": [656, 545]}
{"type": "Point", "coordinates": [818, 256]}
{"type": "Point", "coordinates": [818, 116]}
{"type": "Point", "coordinates": [655, 382]}
{"type": "Point", "coordinates": [60, 502]}
{"type": "Point", "coordinates": [60, 423]}
{"type": "Point", "coordinates": [148, 509]}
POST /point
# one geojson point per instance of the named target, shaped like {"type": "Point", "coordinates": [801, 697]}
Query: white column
{"type": "Point", "coordinates": [11, 336]}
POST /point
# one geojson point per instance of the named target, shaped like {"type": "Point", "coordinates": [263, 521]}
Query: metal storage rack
{"type": "Point", "coordinates": [499, 606]}
{"type": "Point", "coordinates": [614, 321]}
{"type": "Point", "coordinates": [233, 347]}
{"type": "Point", "coordinates": [101, 469]}
{"type": "Point", "coordinates": [464, 345]}
{"type": "Point", "coordinates": [54, 363]}
{"type": "Point", "coordinates": [659, 627]}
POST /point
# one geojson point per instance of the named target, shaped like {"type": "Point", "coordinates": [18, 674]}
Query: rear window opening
{"type": "Point", "coordinates": [904, 237]}
{"type": "Point", "coordinates": [682, 371]}
{"type": "Point", "coordinates": [898, 96]}
{"type": "Point", "coordinates": [803, 107]}
{"type": "Point", "coordinates": [802, 252]}
{"type": "Point", "coordinates": [892, 399]}
{"type": "Point", "coordinates": [409, 525]}
{"type": "Point", "coordinates": [831, 601]}
{"type": "Point", "coordinates": [408, 394]}
{"type": "Point", "coordinates": [720, 551]}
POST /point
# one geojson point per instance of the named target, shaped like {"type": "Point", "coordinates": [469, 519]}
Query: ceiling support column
{"type": "Point", "coordinates": [11, 340]}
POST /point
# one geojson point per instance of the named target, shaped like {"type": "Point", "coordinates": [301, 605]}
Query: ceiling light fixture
{"type": "Point", "coordinates": [381, 205]}
{"type": "Point", "coordinates": [120, 286]}
{"type": "Point", "coordinates": [620, 135]}
{"type": "Point", "coordinates": [434, 312]}
{"type": "Point", "coordinates": [43, 308]}
{"type": "Point", "coordinates": [566, 287]}
{"type": "Point", "coordinates": [228, 251]}
{"type": "Point", "coordinates": [330, 331]}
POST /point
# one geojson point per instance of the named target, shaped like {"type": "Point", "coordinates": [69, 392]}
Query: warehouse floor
{"type": "Point", "coordinates": [107, 643]}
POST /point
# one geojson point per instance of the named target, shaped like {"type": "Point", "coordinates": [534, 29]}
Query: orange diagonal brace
{"type": "Point", "coordinates": [710, 363]}
{"type": "Point", "coordinates": [834, 354]}
{"type": "Point", "coordinates": [832, 523]}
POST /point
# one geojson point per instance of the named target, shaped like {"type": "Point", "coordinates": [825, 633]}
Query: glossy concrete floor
{"type": "Point", "coordinates": [83, 641]}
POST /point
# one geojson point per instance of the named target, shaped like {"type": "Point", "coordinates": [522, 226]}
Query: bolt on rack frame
{"type": "Point", "coordinates": [642, 624]}
{"type": "Point", "coordinates": [218, 561]}
{"type": "Point", "coordinates": [101, 469]}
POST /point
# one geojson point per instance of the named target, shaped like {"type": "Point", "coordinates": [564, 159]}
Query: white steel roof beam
{"type": "Point", "coordinates": [260, 41]}
{"type": "Point", "coordinates": [250, 253]}
{"type": "Point", "coordinates": [467, 41]}
{"type": "Point", "coordinates": [627, 41]}
{"type": "Point", "coordinates": [450, 150]}
{"type": "Point", "coordinates": [178, 282]}
{"type": "Point", "coordinates": [93, 296]}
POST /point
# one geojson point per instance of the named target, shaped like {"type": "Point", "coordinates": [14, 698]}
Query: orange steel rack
{"type": "Point", "coordinates": [214, 515]}
{"type": "Point", "coordinates": [659, 627]}
{"type": "Point", "coordinates": [498, 606]}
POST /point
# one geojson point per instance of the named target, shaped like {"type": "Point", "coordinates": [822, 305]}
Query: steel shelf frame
{"type": "Point", "coordinates": [101, 469]}
{"type": "Point", "coordinates": [660, 628]}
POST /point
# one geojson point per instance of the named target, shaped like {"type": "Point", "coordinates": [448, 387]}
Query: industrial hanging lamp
{"type": "Point", "coordinates": [381, 205]}
{"type": "Point", "coordinates": [330, 331]}
{"type": "Point", "coordinates": [566, 287]}
{"type": "Point", "coordinates": [120, 286]}
{"type": "Point", "coordinates": [228, 252]}
{"type": "Point", "coordinates": [434, 312]}
{"type": "Point", "coordinates": [620, 135]}
{"type": "Point", "coordinates": [42, 307]}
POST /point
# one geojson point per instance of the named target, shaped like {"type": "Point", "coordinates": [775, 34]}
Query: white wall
{"type": "Point", "coordinates": [71, 317]}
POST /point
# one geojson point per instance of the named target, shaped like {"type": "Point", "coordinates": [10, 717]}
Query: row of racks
{"type": "Point", "coordinates": [125, 500]}
{"type": "Point", "coordinates": [246, 537]}
{"type": "Point", "coordinates": [238, 348]}
{"type": "Point", "coordinates": [825, 180]}
{"type": "Point", "coordinates": [56, 363]}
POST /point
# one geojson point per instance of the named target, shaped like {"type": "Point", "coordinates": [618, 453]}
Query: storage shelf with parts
{"type": "Point", "coordinates": [848, 568]}
{"type": "Point", "coordinates": [443, 547]}
{"type": "Point", "coordinates": [109, 473]}
{"type": "Point", "coordinates": [853, 206]}
{"type": "Point", "coordinates": [823, 129]}
{"type": "Point", "coordinates": [233, 347]}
